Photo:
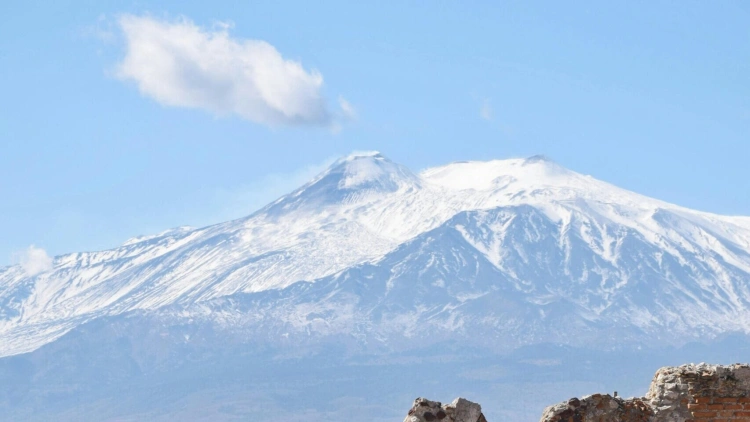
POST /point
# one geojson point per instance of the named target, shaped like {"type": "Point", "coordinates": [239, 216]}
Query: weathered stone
{"type": "Point", "coordinates": [677, 394]}
{"type": "Point", "coordinates": [465, 411]}
{"type": "Point", "coordinates": [598, 407]}
{"type": "Point", "coordinates": [460, 410]}
{"type": "Point", "coordinates": [687, 393]}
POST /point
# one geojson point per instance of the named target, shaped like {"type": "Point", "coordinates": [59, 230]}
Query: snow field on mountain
{"type": "Point", "coordinates": [548, 233]}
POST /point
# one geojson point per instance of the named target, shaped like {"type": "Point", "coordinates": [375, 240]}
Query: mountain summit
{"type": "Point", "coordinates": [357, 178]}
{"type": "Point", "coordinates": [502, 253]}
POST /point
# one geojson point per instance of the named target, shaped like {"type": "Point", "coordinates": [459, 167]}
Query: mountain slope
{"type": "Point", "coordinates": [515, 249]}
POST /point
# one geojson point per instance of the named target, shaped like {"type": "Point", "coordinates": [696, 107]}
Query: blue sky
{"type": "Point", "coordinates": [99, 142]}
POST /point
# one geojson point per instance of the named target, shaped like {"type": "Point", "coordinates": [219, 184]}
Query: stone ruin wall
{"type": "Point", "coordinates": [688, 393]}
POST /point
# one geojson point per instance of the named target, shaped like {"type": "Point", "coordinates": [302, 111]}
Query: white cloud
{"type": "Point", "coordinates": [485, 111]}
{"type": "Point", "coordinates": [34, 260]}
{"type": "Point", "coordinates": [179, 63]}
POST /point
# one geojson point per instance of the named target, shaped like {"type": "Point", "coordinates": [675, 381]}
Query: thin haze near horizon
{"type": "Point", "coordinates": [129, 118]}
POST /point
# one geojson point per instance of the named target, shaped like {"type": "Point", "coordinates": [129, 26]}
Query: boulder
{"type": "Point", "coordinates": [459, 410]}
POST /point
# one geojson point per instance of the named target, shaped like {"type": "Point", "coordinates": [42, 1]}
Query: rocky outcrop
{"type": "Point", "coordinates": [599, 408]}
{"type": "Point", "coordinates": [460, 410]}
{"type": "Point", "coordinates": [687, 393]}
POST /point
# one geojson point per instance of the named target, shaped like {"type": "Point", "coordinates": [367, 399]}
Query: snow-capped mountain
{"type": "Point", "coordinates": [501, 253]}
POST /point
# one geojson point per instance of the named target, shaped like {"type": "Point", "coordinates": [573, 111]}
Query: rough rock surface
{"type": "Point", "coordinates": [460, 410]}
{"type": "Point", "coordinates": [687, 393]}
{"type": "Point", "coordinates": [701, 392]}
{"type": "Point", "coordinates": [599, 408]}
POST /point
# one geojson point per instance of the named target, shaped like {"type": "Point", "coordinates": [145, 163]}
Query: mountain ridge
{"type": "Point", "coordinates": [364, 208]}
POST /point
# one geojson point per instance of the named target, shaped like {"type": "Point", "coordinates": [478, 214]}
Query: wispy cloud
{"type": "Point", "coordinates": [101, 30]}
{"type": "Point", "coordinates": [179, 63]}
{"type": "Point", "coordinates": [243, 200]}
{"type": "Point", "coordinates": [485, 110]}
{"type": "Point", "coordinates": [33, 260]}
{"type": "Point", "coordinates": [347, 109]}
